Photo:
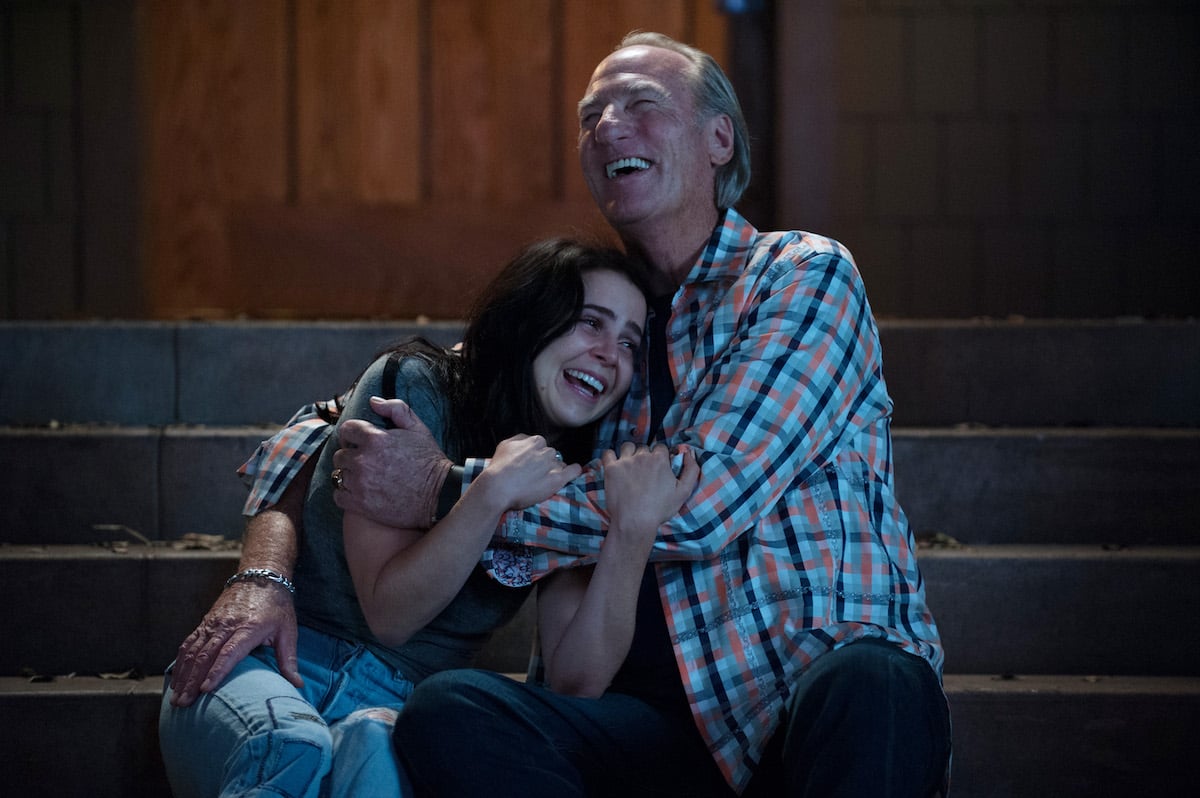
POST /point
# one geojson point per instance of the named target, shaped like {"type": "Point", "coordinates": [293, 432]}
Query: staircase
{"type": "Point", "coordinates": [1051, 466]}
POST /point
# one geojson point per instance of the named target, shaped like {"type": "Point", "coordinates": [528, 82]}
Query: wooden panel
{"type": "Point", "coordinates": [212, 75]}
{"type": "Point", "coordinates": [806, 110]}
{"type": "Point", "coordinates": [709, 31]}
{"type": "Point", "coordinates": [352, 261]}
{"type": "Point", "coordinates": [358, 100]}
{"type": "Point", "coordinates": [419, 146]}
{"type": "Point", "coordinates": [492, 77]}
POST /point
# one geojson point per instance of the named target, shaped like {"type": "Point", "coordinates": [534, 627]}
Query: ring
{"type": "Point", "coordinates": [336, 478]}
{"type": "Point", "coordinates": [558, 456]}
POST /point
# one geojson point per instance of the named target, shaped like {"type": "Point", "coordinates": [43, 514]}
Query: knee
{"type": "Point", "coordinates": [445, 706]}
{"type": "Point", "coordinates": [364, 725]}
{"type": "Point", "coordinates": [876, 697]}
{"type": "Point", "coordinates": [442, 697]}
{"type": "Point", "coordinates": [872, 670]}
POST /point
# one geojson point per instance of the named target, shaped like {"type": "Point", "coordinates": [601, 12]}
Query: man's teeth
{"type": "Point", "coordinates": [626, 166]}
{"type": "Point", "coordinates": [586, 379]}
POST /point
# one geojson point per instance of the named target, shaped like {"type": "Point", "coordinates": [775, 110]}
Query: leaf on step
{"type": "Point", "coordinates": [131, 532]}
{"type": "Point", "coordinates": [133, 674]}
{"type": "Point", "coordinates": [195, 540]}
{"type": "Point", "coordinates": [938, 540]}
{"type": "Point", "coordinates": [33, 676]}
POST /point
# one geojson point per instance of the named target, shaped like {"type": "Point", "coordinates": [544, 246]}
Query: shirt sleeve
{"type": "Point", "coordinates": [278, 459]}
{"type": "Point", "coordinates": [769, 405]}
{"type": "Point", "coordinates": [408, 378]}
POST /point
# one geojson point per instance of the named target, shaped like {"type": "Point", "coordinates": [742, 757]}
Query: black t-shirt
{"type": "Point", "coordinates": [649, 671]}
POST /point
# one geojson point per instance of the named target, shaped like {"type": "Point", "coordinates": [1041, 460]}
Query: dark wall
{"type": "Point", "coordinates": [69, 151]}
{"type": "Point", "coordinates": [997, 158]}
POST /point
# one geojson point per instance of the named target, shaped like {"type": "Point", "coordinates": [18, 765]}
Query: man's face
{"type": "Point", "coordinates": [646, 157]}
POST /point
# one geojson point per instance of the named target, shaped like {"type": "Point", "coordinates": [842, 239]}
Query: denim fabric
{"type": "Point", "coordinates": [256, 734]}
{"type": "Point", "coordinates": [868, 720]}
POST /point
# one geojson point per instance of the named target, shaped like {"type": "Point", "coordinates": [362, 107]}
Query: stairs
{"type": "Point", "coordinates": [1052, 465]}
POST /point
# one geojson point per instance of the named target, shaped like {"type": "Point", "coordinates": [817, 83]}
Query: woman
{"type": "Point", "coordinates": [549, 348]}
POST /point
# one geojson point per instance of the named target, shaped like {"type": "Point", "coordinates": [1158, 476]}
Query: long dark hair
{"type": "Point", "coordinates": [536, 297]}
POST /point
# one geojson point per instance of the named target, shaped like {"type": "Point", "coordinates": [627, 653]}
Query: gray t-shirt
{"type": "Point", "coordinates": [325, 597]}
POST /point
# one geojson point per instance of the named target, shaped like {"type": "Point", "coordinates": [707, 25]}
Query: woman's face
{"type": "Point", "coordinates": [580, 375]}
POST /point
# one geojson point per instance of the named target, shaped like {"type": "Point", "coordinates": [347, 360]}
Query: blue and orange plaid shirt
{"type": "Point", "coordinates": [794, 543]}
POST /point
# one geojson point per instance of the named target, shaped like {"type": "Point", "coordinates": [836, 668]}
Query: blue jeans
{"type": "Point", "coordinates": [256, 734]}
{"type": "Point", "coordinates": [866, 720]}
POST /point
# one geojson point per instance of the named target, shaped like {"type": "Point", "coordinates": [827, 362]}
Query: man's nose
{"type": "Point", "coordinates": [612, 125]}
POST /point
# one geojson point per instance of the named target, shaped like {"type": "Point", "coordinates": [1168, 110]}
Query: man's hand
{"type": "Point", "coordinates": [243, 617]}
{"type": "Point", "coordinates": [390, 476]}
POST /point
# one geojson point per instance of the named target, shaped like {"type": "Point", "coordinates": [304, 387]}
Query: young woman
{"type": "Point", "coordinates": [550, 347]}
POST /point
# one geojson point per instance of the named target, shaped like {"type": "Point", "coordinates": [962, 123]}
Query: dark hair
{"type": "Point", "coordinates": [536, 297]}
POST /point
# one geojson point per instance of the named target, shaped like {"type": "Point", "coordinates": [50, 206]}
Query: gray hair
{"type": "Point", "coordinates": [714, 95]}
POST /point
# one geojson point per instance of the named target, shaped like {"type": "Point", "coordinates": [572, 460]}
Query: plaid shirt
{"type": "Point", "coordinates": [277, 460]}
{"type": "Point", "coordinates": [794, 543]}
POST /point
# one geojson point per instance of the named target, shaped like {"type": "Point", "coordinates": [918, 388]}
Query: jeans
{"type": "Point", "coordinates": [865, 720]}
{"type": "Point", "coordinates": [256, 734]}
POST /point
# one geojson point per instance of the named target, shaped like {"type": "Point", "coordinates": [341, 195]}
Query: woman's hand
{"type": "Point", "coordinates": [641, 491]}
{"type": "Point", "coordinates": [524, 471]}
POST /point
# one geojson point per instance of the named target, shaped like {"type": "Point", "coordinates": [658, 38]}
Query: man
{"type": "Point", "coordinates": [783, 644]}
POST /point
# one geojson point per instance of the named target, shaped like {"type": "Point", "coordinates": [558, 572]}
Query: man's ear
{"type": "Point", "coordinates": [720, 140]}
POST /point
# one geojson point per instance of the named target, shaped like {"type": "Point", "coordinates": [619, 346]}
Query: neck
{"type": "Point", "coordinates": [669, 252]}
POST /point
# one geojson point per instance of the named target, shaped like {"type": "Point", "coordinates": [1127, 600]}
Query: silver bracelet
{"type": "Point", "coordinates": [251, 574]}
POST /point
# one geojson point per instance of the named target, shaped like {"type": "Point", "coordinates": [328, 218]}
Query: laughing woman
{"type": "Point", "coordinates": [550, 347]}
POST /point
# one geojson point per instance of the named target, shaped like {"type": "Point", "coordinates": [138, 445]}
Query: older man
{"type": "Point", "coordinates": [783, 644]}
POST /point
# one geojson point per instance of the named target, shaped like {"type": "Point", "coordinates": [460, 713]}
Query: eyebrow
{"type": "Point", "coordinates": [639, 86]}
{"type": "Point", "coordinates": [607, 313]}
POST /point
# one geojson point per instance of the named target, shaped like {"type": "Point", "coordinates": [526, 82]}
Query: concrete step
{"type": "Point", "coordinates": [998, 373]}
{"type": "Point", "coordinates": [1066, 609]}
{"type": "Point", "coordinates": [1044, 485]}
{"type": "Point", "coordinates": [1071, 736]}
{"type": "Point", "coordinates": [1015, 737]}
{"type": "Point", "coordinates": [976, 485]}
{"type": "Point", "coordinates": [118, 608]}
{"type": "Point", "coordinates": [1001, 609]}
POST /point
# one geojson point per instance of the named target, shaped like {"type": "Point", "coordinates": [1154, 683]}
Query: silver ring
{"type": "Point", "coordinates": [558, 456]}
{"type": "Point", "coordinates": [336, 478]}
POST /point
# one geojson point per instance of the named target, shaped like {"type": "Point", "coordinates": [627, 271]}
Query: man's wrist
{"type": "Point", "coordinates": [262, 576]}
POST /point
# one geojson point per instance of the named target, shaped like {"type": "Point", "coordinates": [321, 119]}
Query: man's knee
{"type": "Point", "coordinates": [868, 671]}
{"type": "Point", "coordinates": [446, 699]}
{"type": "Point", "coordinates": [877, 701]}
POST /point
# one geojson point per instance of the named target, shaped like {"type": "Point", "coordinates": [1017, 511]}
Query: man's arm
{"type": "Point", "coordinates": [798, 373]}
{"type": "Point", "coordinates": [772, 403]}
{"type": "Point", "coordinates": [250, 612]}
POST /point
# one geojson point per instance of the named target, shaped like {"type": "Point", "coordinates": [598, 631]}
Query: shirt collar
{"type": "Point", "coordinates": [724, 257]}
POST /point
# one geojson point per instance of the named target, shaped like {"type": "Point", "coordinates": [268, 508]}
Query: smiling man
{"type": "Point", "coordinates": [783, 645]}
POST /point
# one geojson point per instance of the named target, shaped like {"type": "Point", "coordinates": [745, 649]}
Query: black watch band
{"type": "Point", "coordinates": [450, 493]}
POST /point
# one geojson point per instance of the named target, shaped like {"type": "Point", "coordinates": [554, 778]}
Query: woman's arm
{"type": "Point", "coordinates": [405, 577]}
{"type": "Point", "coordinates": [586, 616]}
